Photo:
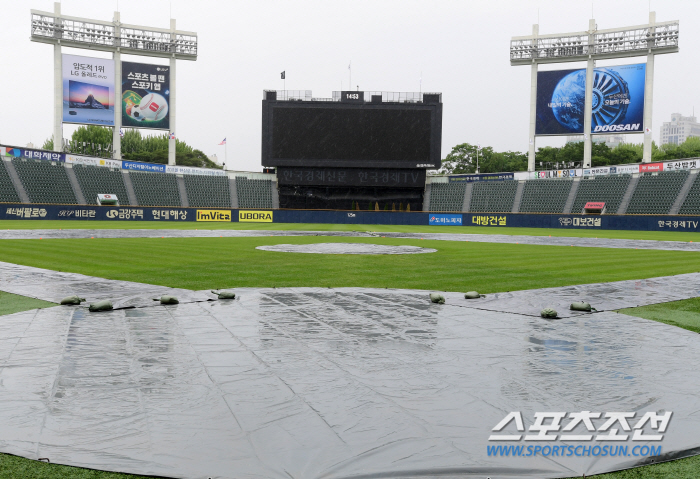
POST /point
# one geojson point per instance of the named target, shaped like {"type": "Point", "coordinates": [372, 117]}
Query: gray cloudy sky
{"type": "Point", "coordinates": [461, 48]}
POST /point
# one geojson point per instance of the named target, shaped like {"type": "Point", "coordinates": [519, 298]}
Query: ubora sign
{"type": "Point", "coordinates": [255, 216]}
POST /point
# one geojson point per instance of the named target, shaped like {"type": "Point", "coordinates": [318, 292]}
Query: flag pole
{"type": "Point", "coordinates": [225, 155]}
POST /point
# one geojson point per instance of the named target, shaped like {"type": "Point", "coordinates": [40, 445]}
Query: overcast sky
{"type": "Point", "coordinates": [459, 48]}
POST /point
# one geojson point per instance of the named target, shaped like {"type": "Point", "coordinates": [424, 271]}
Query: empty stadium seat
{"type": "Point", "coordinates": [155, 189]}
{"type": "Point", "coordinates": [95, 180]}
{"type": "Point", "coordinates": [8, 194]}
{"type": "Point", "coordinates": [493, 196]}
{"type": "Point", "coordinates": [656, 193]}
{"type": "Point", "coordinates": [208, 191]}
{"type": "Point", "coordinates": [691, 205]}
{"type": "Point", "coordinates": [253, 193]}
{"type": "Point", "coordinates": [45, 182]}
{"type": "Point", "coordinates": [545, 196]}
{"type": "Point", "coordinates": [447, 196]}
{"type": "Point", "coordinates": [609, 189]}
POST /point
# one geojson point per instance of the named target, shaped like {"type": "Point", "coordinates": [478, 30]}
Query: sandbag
{"type": "Point", "coordinates": [166, 299]}
{"type": "Point", "coordinates": [72, 300]}
{"type": "Point", "coordinates": [437, 298]}
{"type": "Point", "coordinates": [105, 305]}
{"type": "Point", "coordinates": [581, 306]}
{"type": "Point", "coordinates": [225, 294]}
{"type": "Point", "coordinates": [548, 313]}
{"type": "Point", "coordinates": [472, 295]}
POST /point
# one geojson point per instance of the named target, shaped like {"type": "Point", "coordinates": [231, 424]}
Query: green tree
{"type": "Point", "coordinates": [463, 159]}
{"type": "Point", "coordinates": [48, 144]}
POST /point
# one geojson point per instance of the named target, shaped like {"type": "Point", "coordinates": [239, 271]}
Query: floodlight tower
{"type": "Point", "coordinates": [117, 38]}
{"type": "Point", "coordinates": [650, 40]}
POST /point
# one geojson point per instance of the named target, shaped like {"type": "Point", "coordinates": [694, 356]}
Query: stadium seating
{"type": "Point", "coordinates": [45, 182]}
{"type": "Point", "coordinates": [208, 191]}
{"type": "Point", "coordinates": [609, 189]}
{"type": "Point", "coordinates": [545, 196]}
{"type": "Point", "coordinates": [493, 196]}
{"type": "Point", "coordinates": [691, 205]}
{"type": "Point", "coordinates": [447, 196]}
{"type": "Point", "coordinates": [8, 194]}
{"type": "Point", "coordinates": [95, 180]}
{"type": "Point", "coordinates": [253, 193]}
{"type": "Point", "coordinates": [656, 193]}
{"type": "Point", "coordinates": [155, 189]}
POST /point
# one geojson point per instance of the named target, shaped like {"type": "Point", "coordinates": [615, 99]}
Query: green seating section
{"type": "Point", "coordinates": [691, 205]}
{"type": "Point", "coordinates": [609, 189]}
{"type": "Point", "coordinates": [447, 196]}
{"type": "Point", "coordinates": [208, 191]}
{"type": "Point", "coordinates": [155, 189]}
{"type": "Point", "coordinates": [545, 196]}
{"type": "Point", "coordinates": [8, 194]}
{"type": "Point", "coordinates": [253, 193]}
{"type": "Point", "coordinates": [45, 182]}
{"type": "Point", "coordinates": [656, 193]}
{"type": "Point", "coordinates": [493, 196]}
{"type": "Point", "coordinates": [96, 180]}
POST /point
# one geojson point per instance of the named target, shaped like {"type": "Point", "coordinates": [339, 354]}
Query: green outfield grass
{"type": "Point", "coordinates": [580, 233]}
{"type": "Point", "coordinates": [14, 303]}
{"type": "Point", "coordinates": [684, 314]}
{"type": "Point", "coordinates": [206, 263]}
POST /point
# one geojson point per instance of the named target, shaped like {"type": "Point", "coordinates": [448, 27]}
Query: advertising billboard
{"type": "Point", "coordinates": [617, 102]}
{"type": "Point", "coordinates": [145, 95]}
{"type": "Point", "coordinates": [88, 90]}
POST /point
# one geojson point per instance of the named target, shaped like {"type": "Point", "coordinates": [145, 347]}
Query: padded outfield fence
{"type": "Point", "coordinates": [213, 215]}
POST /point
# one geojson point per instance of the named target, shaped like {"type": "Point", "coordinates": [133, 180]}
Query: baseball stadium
{"type": "Point", "coordinates": [354, 308]}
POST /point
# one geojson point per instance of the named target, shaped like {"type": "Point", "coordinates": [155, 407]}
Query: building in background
{"type": "Point", "coordinates": [610, 140]}
{"type": "Point", "coordinates": [679, 129]}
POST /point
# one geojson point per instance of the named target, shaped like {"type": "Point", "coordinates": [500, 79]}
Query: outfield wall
{"type": "Point", "coordinates": [209, 215]}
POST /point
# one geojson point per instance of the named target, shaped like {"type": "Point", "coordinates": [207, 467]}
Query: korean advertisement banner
{"type": "Point", "coordinates": [617, 101]}
{"type": "Point", "coordinates": [88, 90]}
{"type": "Point", "coordinates": [145, 95]}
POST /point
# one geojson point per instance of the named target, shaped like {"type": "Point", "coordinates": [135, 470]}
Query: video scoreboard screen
{"type": "Point", "coordinates": [351, 134]}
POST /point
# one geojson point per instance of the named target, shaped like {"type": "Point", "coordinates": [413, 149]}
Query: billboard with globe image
{"type": "Point", "coordinates": [145, 95]}
{"type": "Point", "coordinates": [88, 90]}
{"type": "Point", "coordinates": [617, 102]}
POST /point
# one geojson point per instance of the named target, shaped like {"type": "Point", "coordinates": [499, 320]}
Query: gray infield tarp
{"type": "Point", "coordinates": [333, 383]}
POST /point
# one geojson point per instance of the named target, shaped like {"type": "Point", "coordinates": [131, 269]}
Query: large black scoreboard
{"type": "Point", "coordinates": [353, 151]}
{"type": "Point", "coordinates": [352, 133]}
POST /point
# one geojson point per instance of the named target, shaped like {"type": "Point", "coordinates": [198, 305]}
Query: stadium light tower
{"type": "Point", "coordinates": [116, 37]}
{"type": "Point", "coordinates": [650, 39]}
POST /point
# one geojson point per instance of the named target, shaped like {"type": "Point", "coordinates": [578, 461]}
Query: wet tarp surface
{"type": "Point", "coordinates": [337, 383]}
{"type": "Point", "coordinates": [477, 238]}
{"type": "Point", "coordinates": [346, 248]}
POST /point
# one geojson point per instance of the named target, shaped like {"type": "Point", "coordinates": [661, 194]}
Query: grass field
{"type": "Point", "coordinates": [13, 303]}
{"type": "Point", "coordinates": [684, 314]}
{"type": "Point", "coordinates": [207, 263]}
{"type": "Point", "coordinates": [580, 233]}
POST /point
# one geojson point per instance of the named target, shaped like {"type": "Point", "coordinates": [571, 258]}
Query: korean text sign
{"type": "Point", "coordinates": [88, 90]}
{"type": "Point", "coordinates": [617, 100]}
{"type": "Point", "coordinates": [145, 95]}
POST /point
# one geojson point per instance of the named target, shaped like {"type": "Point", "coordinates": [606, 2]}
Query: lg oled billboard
{"type": "Point", "coordinates": [617, 102]}
{"type": "Point", "coordinates": [88, 90]}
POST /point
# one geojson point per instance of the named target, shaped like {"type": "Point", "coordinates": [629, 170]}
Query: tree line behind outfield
{"type": "Point", "coordinates": [135, 147]}
{"type": "Point", "coordinates": [462, 158]}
